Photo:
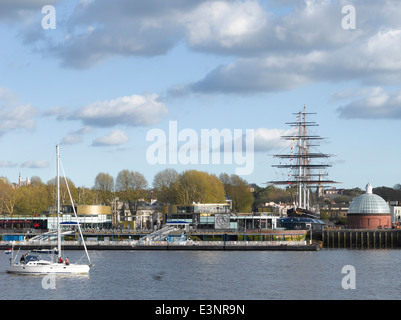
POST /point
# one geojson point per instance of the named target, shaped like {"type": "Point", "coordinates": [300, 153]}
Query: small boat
{"type": "Point", "coordinates": [33, 264]}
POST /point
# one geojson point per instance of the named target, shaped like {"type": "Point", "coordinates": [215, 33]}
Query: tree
{"type": "Point", "coordinates": [274, 194]}
{"type": "Point", "coordinates": [165, 184]}
{"type": "Point", "coordinates": [7, 196]}
{"type": "Point", "coordinates": [87, 196]}
{"type": "Point", "coordinates": [239, 192]}
{"type": "Point", "coordinates": [197, 186]}
{"type": "Point", "coordinates": [388, 194]}
{"type": "Point", "coordinates": [35, 181]}
{"type": "Point", "coordinates": [353, 192]}
{"type": "Point", "coordinates": [32, 199]}
{"type": "Point", "coordinates": [342, 199]}
{"type": "Point", "coordinates": [131, 184]}
{"type": "Point", "coordinates": [64, 196]}
{"type": "Point", "coordinates": [104, 188]}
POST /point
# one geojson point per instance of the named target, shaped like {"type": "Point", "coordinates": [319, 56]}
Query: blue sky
{"type": "Point", "coordinates": [112, 71]}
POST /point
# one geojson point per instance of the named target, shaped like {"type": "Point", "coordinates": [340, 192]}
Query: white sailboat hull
{"type": "Point", "coordinates": [45, 267]}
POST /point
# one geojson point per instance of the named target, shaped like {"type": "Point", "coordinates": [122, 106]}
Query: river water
{"type": "Point", "coordinates": [211, 275]}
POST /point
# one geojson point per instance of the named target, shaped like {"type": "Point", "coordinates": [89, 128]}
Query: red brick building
{"type": "Point", "coordinates": [368, 211]}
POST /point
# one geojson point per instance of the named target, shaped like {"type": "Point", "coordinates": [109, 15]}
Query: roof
{"type": "Point", "coordinates": [300, 220]}
{"type": "Point", "coordinates": [369, 203]}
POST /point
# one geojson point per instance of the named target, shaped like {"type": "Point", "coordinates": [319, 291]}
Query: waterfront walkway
{"type": "Point", "coordinates": [201, 240]}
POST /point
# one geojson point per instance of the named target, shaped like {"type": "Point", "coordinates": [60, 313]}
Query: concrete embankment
{"type": "Point", "coordinates": [239, 247]}
{"type": "Point", "coordinates": [232, 248]}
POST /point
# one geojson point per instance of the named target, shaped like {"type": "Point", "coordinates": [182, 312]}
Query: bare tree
{"type": "Point", "coordinates": [131, 185]}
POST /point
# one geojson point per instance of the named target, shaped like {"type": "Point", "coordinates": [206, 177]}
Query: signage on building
{"type": "Point", "coordinates": [222, 221]}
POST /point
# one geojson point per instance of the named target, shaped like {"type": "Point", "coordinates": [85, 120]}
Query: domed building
{"type": "Point", "coordinates": [369, 211]}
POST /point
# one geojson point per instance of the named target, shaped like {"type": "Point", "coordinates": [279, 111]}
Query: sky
{"type": "Point", "coordinates": [136, 85]}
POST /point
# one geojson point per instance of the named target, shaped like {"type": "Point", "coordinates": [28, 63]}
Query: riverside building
{"type": "Point", "coordinates": [369, 211]}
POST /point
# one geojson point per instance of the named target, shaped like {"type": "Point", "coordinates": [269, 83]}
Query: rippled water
{"type": "Point", "coordinates": [239, 275]}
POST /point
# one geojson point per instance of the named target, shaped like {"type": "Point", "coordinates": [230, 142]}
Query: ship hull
{"type": "Point", "coordinates": [48, 268]}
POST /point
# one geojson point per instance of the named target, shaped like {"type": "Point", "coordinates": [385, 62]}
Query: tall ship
{"type": "Point", "coordinates": [302, 168]}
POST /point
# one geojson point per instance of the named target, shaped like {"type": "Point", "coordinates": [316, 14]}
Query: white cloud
{"type": "Point", "coordinates": [115, 137]}
{"type": "Point", "coordinates": [7, 164]}
{"type": "Point", "coordinates": [35, 164]}
{"type": "Point", "coordinates": [373, 103]}
{"type": "Point", "coordinates": [75, 137]}
{"type": "Point", "coordinates": [270, 139]}
{"type": "Point", "coordinates": [309, 45]}
{"type": "Point", "coordinates": [15, 115]}
{"type": "Point", "coordinates": [224, 24]}
{"type": "Point", "coordinates": [59, 112]}
{"type": "Point", "coordinates": [132, 111]}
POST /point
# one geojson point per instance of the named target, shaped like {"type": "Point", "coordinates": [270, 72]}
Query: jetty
{"type": "Point", "coordinates": [359, 238]}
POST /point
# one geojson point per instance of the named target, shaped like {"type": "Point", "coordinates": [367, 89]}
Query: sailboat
{"type": "Point", "coordinates": [34, 264]}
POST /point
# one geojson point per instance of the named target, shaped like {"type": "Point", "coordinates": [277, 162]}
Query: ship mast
{"type": "Point", "coordinates": [302, 161]}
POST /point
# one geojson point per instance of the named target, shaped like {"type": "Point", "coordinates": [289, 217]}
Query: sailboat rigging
{"type": "Point", "coordinates": [33, 264]}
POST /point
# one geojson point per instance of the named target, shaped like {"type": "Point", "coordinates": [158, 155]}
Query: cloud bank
{"type": "Point", "coordinates": [274, 45]}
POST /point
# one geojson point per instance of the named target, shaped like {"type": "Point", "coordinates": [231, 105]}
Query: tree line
{"type": "Point", "coordinates": [168, 187]}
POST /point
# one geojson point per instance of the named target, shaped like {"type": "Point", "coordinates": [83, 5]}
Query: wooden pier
{"type": "Point", "coordinates": [359, 238]}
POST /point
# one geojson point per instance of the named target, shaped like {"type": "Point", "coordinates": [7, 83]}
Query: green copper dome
{"type": "Point", "coordinates": [369, 203]}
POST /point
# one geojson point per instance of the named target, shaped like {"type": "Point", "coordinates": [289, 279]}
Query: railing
{"type": "Point", "coordinates": [157, 243]}
{"type": "Point", "coordinates": [219, 243]}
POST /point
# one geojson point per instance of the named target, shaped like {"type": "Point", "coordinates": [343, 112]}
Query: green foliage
{"type": "Point", "coordinates": [342, 199]}
{"type": "Point", "coordinates": [274, 194]}
{"type": "Point", "coordinates": [32, 199]}
{"type": "Point", "coordinates": [388, 194]}
{"type": "Point", "coordinates": [353, 192]}
{"type": "Point", "coordinates": [198, 186]}
{"type": "Point", "coordinates": [239, 192]}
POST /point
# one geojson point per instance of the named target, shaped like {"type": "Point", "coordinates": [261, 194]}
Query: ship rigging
{"type": "Point", "coordinates": [301, 163]}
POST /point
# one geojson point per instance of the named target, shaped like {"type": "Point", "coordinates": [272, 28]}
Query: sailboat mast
{"type": "Point", "coordinates": [58, 203]}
